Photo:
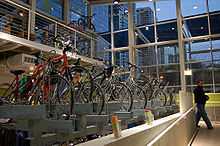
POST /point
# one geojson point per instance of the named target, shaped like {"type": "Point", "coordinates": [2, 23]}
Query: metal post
{"type": "Point", "coordinates": [131, 36]}
{"type": "Point", "coordinates": [156, 39]}
{"type": "Point", "coordinates": [66, 11]}
{"type": "Point", "coordinates": [112, 36]}
{"type": "Point", "coordinates": [92, 41]}
{"type": "Point", "coordinates": [181, 45]}
{"type": "Point", "coordinates": [31, 19]}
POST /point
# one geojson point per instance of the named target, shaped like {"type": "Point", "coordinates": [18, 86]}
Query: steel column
{"type": "Point", "coordinates": [131, 36]}
{"type": "Point", "coordinates": [181, 45]}
{"type": "Point", "coordinates": [112, 36]}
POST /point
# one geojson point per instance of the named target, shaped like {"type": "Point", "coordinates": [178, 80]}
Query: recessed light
{"type": "Point", "coordinates": [126, 11]}
{"type": "Point", "coordinates": [201, 27]}
{"type": "Point", "coordinates": [158, 9]}
{"type": "Point", "coordinates": [147, 28]}
{"type": "Point", "coordinates": [21, 13]}
{"type": "Point", "coordinates": [116, 2]}
{"type": "Point", "coordinates": [173, 28]}
{"type": "Point", "coordinates": [195, 7]}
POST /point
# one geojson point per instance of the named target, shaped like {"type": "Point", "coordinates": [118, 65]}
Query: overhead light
{"type": "Point", "coordinates": [116, 1]}
{"type": "Point", "coordinates": [201, 27]}
{"type": "Point", "coordinates": [126, 11]}
{"type": "Point", "coordinates": [158, 9]}
{"type": "Point", "coordinates": [195, 7]}
{"type": "Point", "coordinates": [173, 28]}
{"type": "Point", "coordinates": [20, 13]}
{"type": "Point", "coordinates": [136, 33]}
{"type": "Point", "coordinates": [150, 0]}
{"type": "Point", "coordinates": [147, 28]}
{"type": "Point", "coordinates": [188, 72]}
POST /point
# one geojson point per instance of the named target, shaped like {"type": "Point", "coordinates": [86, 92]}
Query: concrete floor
{"type": "Point", "coordinates": [207, 137]}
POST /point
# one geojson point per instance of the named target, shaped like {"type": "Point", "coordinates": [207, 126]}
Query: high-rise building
{"type": "Point", "coordinates": [144, 16]}
{"type": "Point", "coordinates": [147, 56]}
{"type": "Point", "coordinates": [120, 16]}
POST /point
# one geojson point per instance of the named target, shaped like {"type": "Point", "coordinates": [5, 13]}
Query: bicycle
{"type": "Point", "coordinates": [86, 21]}
{"type": "Point", "coordinates": [116, 92]}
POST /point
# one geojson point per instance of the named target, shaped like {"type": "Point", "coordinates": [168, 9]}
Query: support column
{"type": "Point", "coordinates": [66, 11]}
{"type": "Point", "coordinates": [181, 45]}
{"type": "Point", "coordinates": [112, 36]}
{"type": "Point", "coordinates": [131, 37]}
{"type": "Point", "coordinates": [31, 21]}
{"type": "Point", "coordinates": [92, 41]}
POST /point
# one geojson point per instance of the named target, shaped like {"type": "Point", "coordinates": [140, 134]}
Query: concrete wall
{"type": "Point", "coordinates": [179, 133]}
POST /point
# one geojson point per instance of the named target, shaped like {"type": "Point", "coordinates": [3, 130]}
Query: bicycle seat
{"type": "Point", "coordinates": [17, 72]}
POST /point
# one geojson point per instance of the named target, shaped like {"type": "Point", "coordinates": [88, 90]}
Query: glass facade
{"type": "Point", "coordinates": [52, 7]}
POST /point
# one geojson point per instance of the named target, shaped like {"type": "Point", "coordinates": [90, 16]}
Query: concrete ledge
{"type": "Point", "coordinates": [138, 136]}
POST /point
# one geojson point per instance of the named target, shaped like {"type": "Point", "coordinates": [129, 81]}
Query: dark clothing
{"type": "Point", "coordinates": [200, 100]}
{"type": "Point", "coordinates": [202, 113]}
{"type": "Point", "coordinates": [199, 95]}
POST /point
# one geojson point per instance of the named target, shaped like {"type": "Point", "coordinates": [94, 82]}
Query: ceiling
{"type": "Point", "coordinates": [94, 2]}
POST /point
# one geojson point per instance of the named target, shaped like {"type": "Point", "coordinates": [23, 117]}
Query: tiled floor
{"type": "Point", "coordinates": [207, 137]}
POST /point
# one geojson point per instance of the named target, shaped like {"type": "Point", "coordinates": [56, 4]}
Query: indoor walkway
{"type": "Point", "coordinates": [207, 137]}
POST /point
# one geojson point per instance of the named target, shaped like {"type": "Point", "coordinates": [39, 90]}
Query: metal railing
{"type": "Point", "coordinates": [17, 20]}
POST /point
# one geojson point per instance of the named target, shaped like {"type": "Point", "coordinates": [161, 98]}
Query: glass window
{"type": "Point", "coordinates": [216, 44]}
{"type": "Point", "coordinates": [146, 56]}
{"type": "Point", "coordinates": [193, 7]}
{"type": "Point", "coordinates": [201, 56]}
{"type": "Point", "coordinates": [25, 1]}
{"type": "Point", "coordinates": [198, 26]}
{"type": "Point", "coordinates": [166, 32]}
{"type": "Point", "coordinates": [52, 7]}
{"type": "Point", "coordinates": [215, 21]}
{"type": "Point", "coordinates": [120, 17]}
{"type": "Point", "coordinates": [44, 30]}
{"type": "Point", "coordinates": [101, 18]}
{"type": "Point", "coordinates": [144, 13]}
{"type": "Point", "coordinates": [122, 58]}
{"type": "Point", "coordinates": [170, 73]}
{"type": "Point", "coordinates": [168, 54]}
{"type": "Point", "coordinates": [145, 35]}
{"type": "Point", "coordinates": [121, 39]}
{"type": "Point", "coordinates": [216, 55]}
{"type": "Point", "coordinates": [214, 5]}
{"type": "Point", "coordinates": [165, 10]}
{"type": "Point", "coordinates": [202, 74]}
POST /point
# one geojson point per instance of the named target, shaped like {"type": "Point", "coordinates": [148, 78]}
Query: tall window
{"type": "Point", "coordinates": [165, 10]}
{"type": "Point", "coordinates": [193, 7]}
{"type": "Point", "coordinates": [214, 5]}
{"type": "Point", "coordinates": [78, 8]}
{"type": "Point", "coordinates": [52, 7]}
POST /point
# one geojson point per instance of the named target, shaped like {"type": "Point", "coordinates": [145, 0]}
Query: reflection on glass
{"type": "Point", "coordinates": [170, 73]}
{"type": "Point", "coordinates": [165, 10]}
{"type": "Point", "coordinates": [144, 13]}
{"type": "Point", "coordinates": [193, 7]}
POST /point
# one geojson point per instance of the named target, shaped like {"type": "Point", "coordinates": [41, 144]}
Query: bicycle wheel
{"type": "Point", "coordinates": [97, 97]}
{"type": "Point", "coordinates": [53, 89]}
{"type": "Point", "coordinates": [139, 96]}
{"type": "Point", "coordinates": [162, 96]}
{"type": "Point", "coordinates": [121, 93]}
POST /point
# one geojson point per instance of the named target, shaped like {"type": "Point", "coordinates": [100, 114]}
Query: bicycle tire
{"type": "Point", "coordinates": [162, 96]}
{"type": "Point", "coordinates": [121, 96]}
{"type": "Point", "coordinates": [140, 95]}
